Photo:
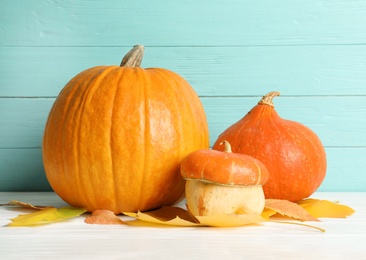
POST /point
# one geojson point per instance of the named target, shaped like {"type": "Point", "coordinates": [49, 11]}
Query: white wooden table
{"type": "Point", "coordinates": [73, 239]}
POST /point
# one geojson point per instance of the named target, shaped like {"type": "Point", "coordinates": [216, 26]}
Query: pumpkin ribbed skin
{"type": "Point", "coordinates": [292, 153]}
{"type": "Point", "coordinates": [224, 168]}
{"type": "Point", "coordinates": [115, 138]}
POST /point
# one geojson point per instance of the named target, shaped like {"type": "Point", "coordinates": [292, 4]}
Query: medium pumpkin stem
{"type": "Point", "coordinates": [133, 58]}
{"type": "Point", "coordinates": [267, 99]}
{"type": "Point", "coordinates": [227, 148]}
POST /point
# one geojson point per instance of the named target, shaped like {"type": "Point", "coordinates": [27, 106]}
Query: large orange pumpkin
{"type": "Point", "coordinates": [116, 135]}
{"type": "Point", "coordinates": [292, 153]}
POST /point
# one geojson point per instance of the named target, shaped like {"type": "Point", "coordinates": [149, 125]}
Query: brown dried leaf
{"type": "Point", "coordinates": [289, 209]}
{"type": "Point", "coordinates": [103, 217]}
{"type": "Point", "coordinates": [173, 216]}
{"type": "Point", "coordinates": [17, 203]}
{"type": "Point", "coordinates": [325, 209]}
{"type": "Point", "coordinates": [176, 216]}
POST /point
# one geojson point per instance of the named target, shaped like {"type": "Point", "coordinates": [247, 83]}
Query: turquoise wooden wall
{"type": "Point", "coordinates": [232, 52]}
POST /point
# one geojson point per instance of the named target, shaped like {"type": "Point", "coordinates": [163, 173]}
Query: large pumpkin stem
{"type": "Point", "coordinates": [267, 99]}
{"type": "Point", "coordinates": [133, 58]}
{"type": "Point", "coordinates": [227, 148]}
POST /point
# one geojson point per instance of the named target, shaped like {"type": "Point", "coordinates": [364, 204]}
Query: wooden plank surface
{"type": "Point", "coordinates": [231, 52]}
{"type": "Point", "coordinates": [73, 239]}
{"type": "Point", "coordinates": [181, 23]}
{"type": "Point", "coordinates": [212, 71]}
{"type": "Point", "coordinates": [22, 169]}
{"type": "Point", "coordinates": [333, 119]}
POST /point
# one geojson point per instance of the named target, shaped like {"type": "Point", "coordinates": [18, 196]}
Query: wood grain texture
{"type": "Point", "coordinates": [22, 169]}
{"type": "Point", "coordinates": [231, 52]}
{"type": "Point", "coordinates": [212, 71]}
{"type": "Point", "coordinates": [23, 122]}
{"type": "Point", "coordinates": [20, 151]}
{"type": "Point", "coordinates": [73, 239]}
{"type": "Point", "coordinates": [181, 23]}
{"type": "Point", "coordinates": [331, 118]}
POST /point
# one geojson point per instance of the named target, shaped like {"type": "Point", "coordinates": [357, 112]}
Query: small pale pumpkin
{"type": "Point", "coordinates": [223, 182]}
{"type": "Point", "coordinates": [116, 135]}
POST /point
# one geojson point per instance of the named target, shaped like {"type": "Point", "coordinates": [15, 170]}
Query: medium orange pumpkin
{"type": "Point", "coordinates": [116, 135]}
{"type": "Point", "coordinates": [292, 153]}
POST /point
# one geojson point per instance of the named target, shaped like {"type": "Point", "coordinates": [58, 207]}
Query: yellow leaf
{"type": "Point", "coordinates": [325, 209]}
{"type": "Point", "coordinates": [230, 220]}
{"type": "Point", "coordinates": [299, 224]}
{"type": "Point", "coordinates": [30, 219]}
{"type": "Point", "coordinates": [180, 217]}
{"type": "Point", "coordinates": [45, 216]}
{"type": "Point", "coordinates": [290, 209]}
{"type": "Point", "coordinates": [267, 213]}
{"type": "Point", "coordinates": [63, 214]}
{"type": "Point", "coordinates": [166, 215]}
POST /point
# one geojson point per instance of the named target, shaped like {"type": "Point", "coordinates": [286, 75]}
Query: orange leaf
{"type": "Point", "coordinates": [289, 209]}
{"type": "Point", "coordinates": [325, 209]}
{"type": "Point", "coordinates": [103, 217]}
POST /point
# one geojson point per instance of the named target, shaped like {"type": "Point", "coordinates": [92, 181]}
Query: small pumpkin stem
{"type": "Point", "coordinates": [267, 99]}
{"type": "Point", "coordinates": [227, 148]}
{"type": "Point", "coordinates": [133, 58]}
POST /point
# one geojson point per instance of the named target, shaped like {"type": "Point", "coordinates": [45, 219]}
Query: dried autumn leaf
{"type": "Point", "coordinates": [325, 209]}
{"type": "Point", "coordinates": [46, 216]}
{"type": "Point", "coordinates": [267, 213]}
{"type": "Point", "coordinates": [32, 218]}
{"type": "Point", "coordinates": [230, 220]}
{"type": "Point", "coordinates": [166, 215]}
{"type": "Point", "coordinates": [289, 209]}
{"type": "Point", "coordinates": [180, 217]}
{"type": "Point", "coordinates": [103, 217]}
{"type": "Point", "coordinates": [17, 203]}
{"type": "Point", "coordinates": [299, 224]}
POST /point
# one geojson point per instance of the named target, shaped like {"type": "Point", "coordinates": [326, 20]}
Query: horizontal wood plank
{"type": "Point", "coordinates": [22, 170]}
{"type": "Point", "coordinates": [181, 23]}
{"type": "Point", "coordinates": [345, 170]}
{"type": "Point", "coordinates": [216, 71]}
{"type": "Point", "coordinates": [73, 239]}
{"type": "Point", "coordinates": [339, 121]}
{"type": "Point", "coordinates": [23, 122]}
{"type": "Point", "coordinates": [231, 52]}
